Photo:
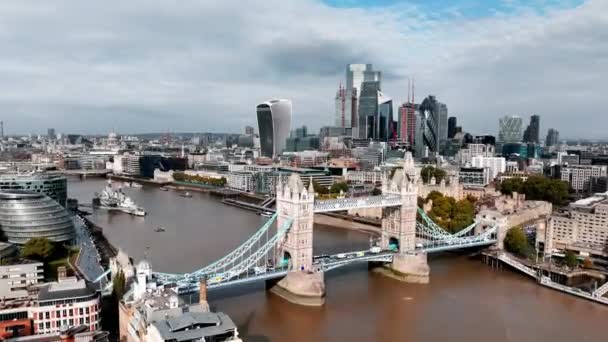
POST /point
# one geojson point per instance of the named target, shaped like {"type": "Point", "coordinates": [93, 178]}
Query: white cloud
{"type": "Point", "coordinates": [151, 65]}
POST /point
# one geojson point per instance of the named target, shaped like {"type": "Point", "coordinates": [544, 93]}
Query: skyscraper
{"type": "Point", "coordinates": [348, 102]}
{"type": "Point", "coordinates": [406, 123]}
{"type": "Point", "coordinates": [274, 122]}
{"type": "Point", "coordinates": [433, 117]}
{"type": "Point", "coordinates": [552, 137]}
{"type": "Point", "coordinates": [510, 129]}
{"type": "Point", "coordinates": [532, 132]}
{"type": "Point", "coordinates": [387, 129]}
{"type": "Point", "coordinates": [452, 124]}
{"type": "Point", "coordinates": [368, 110]}
{"type": "Point", "coordinates": [427, 130]}
{"type": "Point", "coordinates": [442, 110]}
{"type": "Point", "coordinates": [248, 130]}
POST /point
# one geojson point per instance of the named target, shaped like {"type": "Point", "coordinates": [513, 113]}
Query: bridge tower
{"type": "Point", "coordinates": [295, 202]}
{"type": "Point", "coordinates": [399, 226]}
{"type": "Point", "coordinates": [302, 285]}
{"type": "Point", "coordinates": [399, 223]}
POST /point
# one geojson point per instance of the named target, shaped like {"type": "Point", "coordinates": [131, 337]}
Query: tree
{"type": "Point", "coordinates": [39, 249]}
{"type": "Point", "coordinates": [516, 241]}
{"type": "Point", "coordinates": [337, 187]}
{"type": "Point", "coordinates": [588, 263]}
{"type": "Point", "coordinates": [570, 259]}
{"type": "Point", "coordinates": [429, 172]}
{"type": "Point", "coordinates": [119, 285]}
{"type": "Point", "coordinates": [537, 188]}
{"type": "Point", "coordinates": [320, 189]}
{"type": "Point", "coordinates": [376, 192]}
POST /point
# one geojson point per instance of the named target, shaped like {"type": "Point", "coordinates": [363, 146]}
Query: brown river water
{"type": "Point", "coordinates": [466, 301]}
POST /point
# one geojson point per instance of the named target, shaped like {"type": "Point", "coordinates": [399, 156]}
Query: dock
{"type": "Point", "coordinates": [495, 259]}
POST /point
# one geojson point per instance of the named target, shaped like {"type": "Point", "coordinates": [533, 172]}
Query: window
{"type": "Point", "coordinates": [48, 325]}
{"type": "Point", "coordinates": [81, 311]}
{"type": "Point", "coordinates": [71, 312]}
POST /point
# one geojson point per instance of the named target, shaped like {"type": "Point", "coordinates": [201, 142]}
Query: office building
{"type": "Point", "coordinates": [510, 129]}
{"type": "Point", "coordinates": [474, 176]}
{"type": "Point", "coordinates": [579, 176]}
{"type": "Point", "coordinates": [25, 215]}
{"type": "Point", "coordinates": [194, 326]}
{"type": "Point", "coordinates": [452, 125]}
{"type": "Point", "coordinates": [368, 110]}
{"type": "Point", "coordinates": [54, 186]}
{"type": "Point", "coordinates": [386, 127]}
{"type": "Point", "coordinates": [69, 302]}
{"type": "Point", "coordinates": [249, 130]}
{"type": "Point", "coordinates": [443, 125]}
{"type": "Point", "coordinates": [50, 133]}
{"type": "Point", "coordinates": [131, 164]}
{"type": "Point", "coordinates": [582, 228]}
{"type": "Point", "coordinates": [496, 165]}
{"type": "Point", "coordinates": [532, 132]}
{"type": "Point", "coordinates": [552, 137]}
{"type": "Point", "coordinates": [406, 123]}
{"type": "Point", "coordinates": [430, 132]}
{"type": "Point", "coordinates": [274, 122]}
{"type": "Point", "coordinates": [356, 74]}
{"type": "Point", "coordinates": [16, 277]}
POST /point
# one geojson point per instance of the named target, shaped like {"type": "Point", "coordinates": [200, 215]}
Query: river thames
{"type": "Point", "coordinates": [466, 301]}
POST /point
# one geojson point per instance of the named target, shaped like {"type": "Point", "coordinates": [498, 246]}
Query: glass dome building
{"type": "Point", "coordinates": [25, 215]}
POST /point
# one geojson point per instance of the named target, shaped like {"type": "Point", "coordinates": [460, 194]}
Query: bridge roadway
{"type": "Point", "coordinates": [321, 263]}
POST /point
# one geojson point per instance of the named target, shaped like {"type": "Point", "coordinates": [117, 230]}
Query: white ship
{"type": "Point", "coordinates": [115, 199]}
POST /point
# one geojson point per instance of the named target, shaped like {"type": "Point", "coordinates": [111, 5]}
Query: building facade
{"type": "Point", "coordinates": [532, 132]}
{"type": "Point", "coordinates": [274, 122]}
{"type": "Point", "coordinates": [54, 186]}
{"type": "Point", "coordinates": [579, 176]}
{"type": "Point", "coordinates": [25, 215]}
{"type": "Point", "coordinates": [66, 303]}
{"type": "Point", "coordinates": [510, 129]}
{"type": "Point", "coordinates": [17, 277]}
{"type": "Point", "coordinates": [406, 123]}
{"type": "Point", "coordinates": [582, 228]}
{"type": "Point", "coordinates": [474, 176]}
{"type": "Point", "coordinates": [497, 165]}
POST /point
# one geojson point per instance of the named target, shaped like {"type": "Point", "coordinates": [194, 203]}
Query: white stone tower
{"type": "Point", "coordinates": [399, 223]}
{"type": "Point", "coordinates": [295, 202]}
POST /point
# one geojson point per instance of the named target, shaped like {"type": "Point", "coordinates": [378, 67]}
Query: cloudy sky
{"type": "Point", "coordinates": [203, 65]}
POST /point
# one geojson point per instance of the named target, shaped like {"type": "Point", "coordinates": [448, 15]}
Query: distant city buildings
{"type": "Point", "coordinates": [532, 132]}
{"type": "Point", "coordinates": [552, 137]}
{"type": "Point", "coordinates": [452, 126]}
{"type": "Point", "coordinates": [274, 122]}
{"type": "Point", "coordinates": [510, 129]}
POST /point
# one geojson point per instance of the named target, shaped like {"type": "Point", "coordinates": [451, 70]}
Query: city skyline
{"type": "Point", "coordinates": [179, 73]}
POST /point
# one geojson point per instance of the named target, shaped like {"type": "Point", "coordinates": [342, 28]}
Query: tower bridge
{"type": "Point", "coordinates": [284, 257]}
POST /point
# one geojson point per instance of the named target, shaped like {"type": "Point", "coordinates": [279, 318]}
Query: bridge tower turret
{"type": "Point", "coordinates": [399, 223]}
{"type": "Point", "coordinates": [295, 202]}
{"type": "Point", "coordinates": [399, 226]}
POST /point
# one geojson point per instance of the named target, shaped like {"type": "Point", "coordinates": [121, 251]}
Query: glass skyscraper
{"type": "Point", "coordinates": [274, 122]}
{"type": "Point", "coordinates": [510, 129]}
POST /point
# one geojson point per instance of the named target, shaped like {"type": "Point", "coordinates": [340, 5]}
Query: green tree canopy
{"type": "Point", "coordinates": [119, 285]}
{"type": "Point", "coordinates": [516, 241]}
{"type": "Point", "coordinates": [537, 188]}
{"type": "Point", "coordinates": [429, 172]}
{"type": "Point", "coordinates": [451, 215]}
{"type": "Point", "coordinates": [320, 189]}
{"type": "Point", "coordinates": [337, 187]}
{"type": "Point", "coordinates": [40, 249]}
{"type": "Point", "coordinates": [376, 192]}
{"type": "Point", "coordinates": [570, 259]}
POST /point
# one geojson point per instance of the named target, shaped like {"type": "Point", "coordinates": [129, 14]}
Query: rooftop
{"type": "Point", "coordinates": [589, 201]}
{"type": "Point", "coordinates": [65, 288]}
{"type": "Point", "coordinates": [193, 325]}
